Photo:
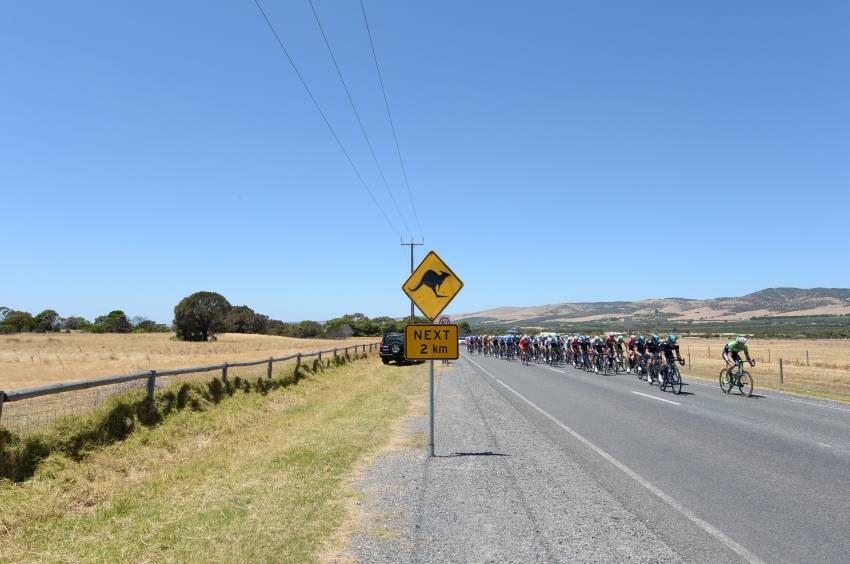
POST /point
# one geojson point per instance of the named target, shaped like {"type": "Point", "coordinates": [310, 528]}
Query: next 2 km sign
{"type": "Point", "coordinates": [431, 342]}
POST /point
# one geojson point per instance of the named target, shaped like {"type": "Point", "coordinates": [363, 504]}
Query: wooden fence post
{"type": "Point", "coordinates": [2, 399]}
{"type": "Point", "coordinates": [320, 356]}
{"type": "Point", "coordinates": [269, 370]}
{"type": "Point", "coordinates": [334, 353]}
{"type": "Point", "coordinates": [151, 384]}
{"type": "Point", "coordinates": [781, 372]}
{"type": "Point", "coordinates": [298, 361]}
{"type": "Point", "coordinates": [224, 373]}
{"type": "Point", "coordinates": [768, 356]}
{"type": "Point", "coordinates": [807, 357]}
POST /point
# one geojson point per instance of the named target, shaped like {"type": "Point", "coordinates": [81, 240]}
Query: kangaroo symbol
{"type": "Point", "coordinates": [433, 281]}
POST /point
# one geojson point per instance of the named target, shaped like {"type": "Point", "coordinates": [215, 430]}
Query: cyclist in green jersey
{"type": "Point", "coordinates": [732, 350]}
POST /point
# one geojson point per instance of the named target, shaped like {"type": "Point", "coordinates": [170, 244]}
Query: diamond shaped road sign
{"type": "Point", "coordinates": [432, 285]}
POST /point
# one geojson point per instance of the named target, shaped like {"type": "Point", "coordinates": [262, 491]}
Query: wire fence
{"type": "Point", "coordinates": [796, 365]}
{"type": "Point", "coordinates": [35, 408]}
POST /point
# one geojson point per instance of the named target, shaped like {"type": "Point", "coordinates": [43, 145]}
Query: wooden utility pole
{"type": "Point", "coordinates": [411, 245]}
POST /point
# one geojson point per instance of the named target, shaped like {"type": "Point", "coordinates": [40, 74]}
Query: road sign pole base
{"type": "Point", "coordinates": [431, 408]}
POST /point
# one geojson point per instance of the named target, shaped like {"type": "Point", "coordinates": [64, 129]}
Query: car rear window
{"type": "Point", "coordinates": [394, 339]}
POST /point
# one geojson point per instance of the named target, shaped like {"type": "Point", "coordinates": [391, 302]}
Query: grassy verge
{"type": "Point", "coordinates": [257, 477]}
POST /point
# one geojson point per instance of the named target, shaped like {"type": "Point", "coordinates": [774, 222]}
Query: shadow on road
{"type": "Point", "coordinates": [485, 453]}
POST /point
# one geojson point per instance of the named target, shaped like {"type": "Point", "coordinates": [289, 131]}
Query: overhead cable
{"type": "Point", "coordinates": [357, 115]}
{"type": "Point", "coordinates": [324, 117]}
{"type": "Point", "coordinates": [390, 117]}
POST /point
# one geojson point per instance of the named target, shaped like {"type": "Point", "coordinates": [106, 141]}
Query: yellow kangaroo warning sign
{"type": "Point", "coordinates": [431, 342]}
{"type": "Point", "coordinates": [432, 285]}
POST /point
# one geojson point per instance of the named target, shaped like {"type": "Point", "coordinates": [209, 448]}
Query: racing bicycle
{"type": "Point", "coordinates": [738, 377]}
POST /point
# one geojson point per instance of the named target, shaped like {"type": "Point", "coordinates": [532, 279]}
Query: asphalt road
{"type": "Point", "coordinates": [765, 478]}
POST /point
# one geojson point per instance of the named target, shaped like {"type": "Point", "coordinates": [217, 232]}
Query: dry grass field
{"type": "Point", "coordinates": [827, 373]}
{"type": "Point", "coordinates": [30, 359]}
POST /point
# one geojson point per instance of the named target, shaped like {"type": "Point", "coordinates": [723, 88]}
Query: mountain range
{"type": "Point", "coordinates": [771, 302]}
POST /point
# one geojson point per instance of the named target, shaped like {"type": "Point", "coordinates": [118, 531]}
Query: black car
{"type": "Point", "coordinates": [392, 348]}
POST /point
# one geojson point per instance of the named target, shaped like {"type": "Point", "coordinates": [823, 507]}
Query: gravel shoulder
{"type": "Point", "coordinates": [498, 490]}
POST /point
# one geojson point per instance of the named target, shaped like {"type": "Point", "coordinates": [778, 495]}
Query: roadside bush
{"type": "Point", "coordinates": [20, 457]}
{"type": "Point", "coordinates": [216, 390]}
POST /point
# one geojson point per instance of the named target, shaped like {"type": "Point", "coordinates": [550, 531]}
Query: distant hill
{"type": "Point", "coordinates": [772, 302]}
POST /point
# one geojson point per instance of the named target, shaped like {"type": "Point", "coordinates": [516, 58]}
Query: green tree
{"type": "Point", "coordinates": [308, 329]}
{"type": "Point", "coordinates": [114, 322]}
{"type": "Point", "coordinates": [148, 326]}
{"type": "Point", "coordinates": [243, 319]}
{"type": "Point", "coordinates": [17, 321]}
{"type": "Point", "coordinates": [47, 321]}
{"type": "Point", "coordinates": [388, 325]}
{"type": "Point", "coordinates": [200, 316]}
{"type": "Point", "coordinates": [463, 327]}
{"type": "Point", "coordinates": [338, 329]}
{"type": "Point", "coordinates": [75, 323]}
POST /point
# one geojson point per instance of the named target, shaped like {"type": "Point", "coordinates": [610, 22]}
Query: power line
{"type": "Point", "coordinates": [357, 115]}
{"type": "Point", "coordinates": [324, 117]}
{"type": "Point", "coordinates": [390, 116]}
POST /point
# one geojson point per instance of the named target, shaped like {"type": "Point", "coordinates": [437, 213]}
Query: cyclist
{"type": "Point", "coordinates": [576, 349]}
{"type": "Point", "coordinates": [619, 349]}
{"type": "Point", "coordinates": [610, 346]}
{"type": "Point", "coordinates": [731, 353]}
{"type": "Point", "coordinates": [653, 347]}
{"type": "Point", "coordinates": [631, 352]}
{"type": "Point", "coordinates": [524, 347]}
{"type": "Point", "coordinates": [669, 353]}
{"type": "Point", "coordinates": [598, 344]}
{"type": "Point", "coordinates": [584, 347]}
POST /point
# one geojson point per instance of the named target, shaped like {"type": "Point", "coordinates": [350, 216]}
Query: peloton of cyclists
{"type": "Point", "coordinates": [641, 354]}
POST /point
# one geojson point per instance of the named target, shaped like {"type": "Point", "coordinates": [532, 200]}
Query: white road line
{"type": "Point", "coordinates": [824, 445]}
{"type": "Point", "coordinates": [556, 370]}
{"type": "Point", "coordinates": [656, 398]}
{"type": "Point", "coordinates": [687, 513]}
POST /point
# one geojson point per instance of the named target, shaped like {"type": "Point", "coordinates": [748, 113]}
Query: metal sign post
{"type": "Point", "coordinates": [431, 286]}
{"type": "Point", "coordinates": [431, 408]}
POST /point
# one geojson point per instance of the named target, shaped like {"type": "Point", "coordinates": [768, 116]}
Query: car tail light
{"type": "Point", "coordinates": [382, 342]}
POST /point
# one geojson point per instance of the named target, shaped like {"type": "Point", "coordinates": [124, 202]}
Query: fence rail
{"type": "Point", "coordinates": [152, 375]}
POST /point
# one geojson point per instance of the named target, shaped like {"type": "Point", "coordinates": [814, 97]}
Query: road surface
{"type": "Point", "coordinates": [765, 478]}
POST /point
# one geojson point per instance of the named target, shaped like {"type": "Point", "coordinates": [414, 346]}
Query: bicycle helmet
{"type": "Point", "coordinates": [621, 339]}
{"type": "Point", "coordinates": [655, 338]}
{"type": "Point", "coordinates": [742, 340]}
{"type": "Point", "coordinates": [642, 339]}
{"type": "Point", "coordinates": [672, 339]}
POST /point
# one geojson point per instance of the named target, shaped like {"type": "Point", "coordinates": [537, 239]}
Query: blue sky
{"type": "Point", "coordinates": [557, 151]}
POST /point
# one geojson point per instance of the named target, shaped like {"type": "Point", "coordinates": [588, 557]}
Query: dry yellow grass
{"type": "Point", "coordinates": [28, 360]}
{"type": "Point", "coordinates": [827, 373]}
{"type": "Point", "coordinates": [257, 478]}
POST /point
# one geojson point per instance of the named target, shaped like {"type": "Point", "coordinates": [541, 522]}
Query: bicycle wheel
{"type": "Point", "coordinates": [745, 384]}
{"type": "Point", "coordinates": [676, 381]}
{"type": "Point", "coordinates": [725, 382]}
